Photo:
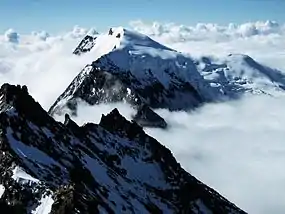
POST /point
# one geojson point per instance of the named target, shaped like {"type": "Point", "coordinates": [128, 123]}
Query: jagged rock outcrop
{"type": "Point", "coordinates": [85, 45]}
{"type": "Point", "coordinates": [148, 118]}
{"type": "Point", "coordinates": [112, 167]}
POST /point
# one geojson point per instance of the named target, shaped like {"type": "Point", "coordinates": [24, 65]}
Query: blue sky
{"type": "Point", "coordinates": [60, 15]}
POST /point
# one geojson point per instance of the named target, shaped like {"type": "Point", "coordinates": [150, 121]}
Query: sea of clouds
{"type": "Point", "coordinates": [236, 147]}
{"type": "Point", "coordinates": [264, 41]}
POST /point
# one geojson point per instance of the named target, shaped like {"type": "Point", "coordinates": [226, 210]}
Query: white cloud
{"type": "Point", "coordinates": [264, 41]}
{"type": "Point", "coordinates": [41, 35]}
{"type": "Point", "coordinates": [79, 32]}
{"type": "Point", "coordinates": [46, 65]}
{"type": "Point", "coordinates": [236, 147]}
{"type": "Point", "coordinates": [11, 36]}
{"type": "Point", "coordinates": [202, 31]}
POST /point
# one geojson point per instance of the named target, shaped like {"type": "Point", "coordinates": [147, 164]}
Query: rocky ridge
{"type": "Point", "coordinates": [110, 167]}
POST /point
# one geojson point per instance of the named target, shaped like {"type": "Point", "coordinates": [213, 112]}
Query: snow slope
{"type": "Point", "coordinates": [237, 74]}
{"type": "Point", "coordinates": [45, 205]}
{"type": "Point", "coordinates": [21, 176]}
{"type": "Point", "coordinates": [129, 66]}
{"type": "Point", "coordinates": [137, 53]}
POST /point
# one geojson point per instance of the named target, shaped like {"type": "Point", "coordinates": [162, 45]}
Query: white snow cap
{"type": "Point", "coordinates": [138, 53]}
{"type": "Point", "coordinates": [135, 39]}
{"type": "Point", "coordinates": [11, 36]}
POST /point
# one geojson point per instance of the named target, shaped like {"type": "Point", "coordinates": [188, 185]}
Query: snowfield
{"type": "Point", "coordinates": [2, 190]}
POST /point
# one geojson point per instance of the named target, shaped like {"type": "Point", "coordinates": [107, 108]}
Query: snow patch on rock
{"type": "Point", "coordinates": [21, 176]}
{"type": "Point", "coordinates": [2, 190]}
{"type": "Point", "coordinates": [45, 206]}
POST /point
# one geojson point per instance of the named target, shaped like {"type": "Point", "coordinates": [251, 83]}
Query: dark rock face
{"type": "Point", "coordinates": [113, 167]}
{"type": "Point", "coordinates": [85, 45]}
{"type": "Point", "coordinates": [110, 31]}
{"type": "Point", "coordinates": [148, 118]}
{"type": "Point", "coordinates": [94, 87]}
{"type": "Point", "coordinates": [97, 84]}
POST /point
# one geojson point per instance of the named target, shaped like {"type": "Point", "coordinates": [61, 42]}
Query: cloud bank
{"type": "Point", "coordinates": [263, 41]}
{"type": "Point", "coordinates": [237, 148]}
{"type": "Point", "coordinates": [41, 35]}
{"type": "Point", "coordinates": [42, 61]}
{"type": "Point", "coordinates": [202, 31]}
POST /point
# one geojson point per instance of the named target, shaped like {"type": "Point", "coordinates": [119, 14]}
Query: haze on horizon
{"type": "Point", "coordinates": [55, 16]}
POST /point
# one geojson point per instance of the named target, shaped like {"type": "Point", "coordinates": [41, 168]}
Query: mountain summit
{"type": "Point", "coordinates": [237, 74]}
{"type": "Point", "coordinates": [110, 167]}
{"type": "Point", "coordinates": [131, 67]}
{"type": "Point", "coordinates": [134, 68]}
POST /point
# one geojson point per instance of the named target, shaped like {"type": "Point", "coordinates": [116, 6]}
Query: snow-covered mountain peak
{"type": "Point", "coordinates": [256, 75]}
{"type": "Point", "coordinates": [131, 67]}
{"type": "Point", "coordinates": [235, 74]}
{"type": "Point", "coordinates": [125, 40]}
{"type": "Point", "coordinates": [143, 57]}
{"type": "Point", "coordinates": [133, 40]}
